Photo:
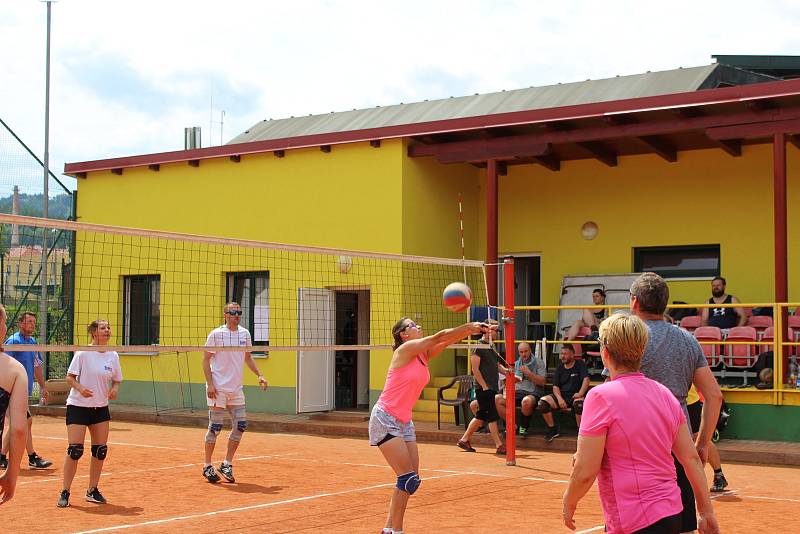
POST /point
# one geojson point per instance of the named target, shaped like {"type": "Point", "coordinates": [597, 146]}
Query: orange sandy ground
{"type": "Point", "coordinates": [297, 483]}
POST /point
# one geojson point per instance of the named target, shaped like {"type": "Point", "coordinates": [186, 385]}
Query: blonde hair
{"type": "Point", "coordinates": [93, 326]}
{"type": "Point", "coordinates": [625, 337]}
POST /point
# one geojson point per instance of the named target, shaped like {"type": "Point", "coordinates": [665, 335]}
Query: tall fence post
{"type": "Point", "coordinates": [510, 353]}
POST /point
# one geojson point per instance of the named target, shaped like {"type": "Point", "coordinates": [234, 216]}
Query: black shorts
{"type": "Point", "coordinates": [695, 411]}
{"type": "Point", "coordinates": [519, 395]}
{"type": "Point", "coordinates": [689, 514]}
{"type": "Point", "coordinates": [487, 411]}
{"type": "Point", "coordinates": [667, 525]}
{"type": "Point", "coordinates": [81, 415]}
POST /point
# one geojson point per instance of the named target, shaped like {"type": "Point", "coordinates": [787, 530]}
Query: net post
{"type": "Point", "coordinates": [510, 354]}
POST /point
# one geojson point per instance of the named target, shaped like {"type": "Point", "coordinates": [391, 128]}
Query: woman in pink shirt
{"type": "Point", "coordinates": [630, 427]}
{"type": "Point", "coordinates": [391, 416]}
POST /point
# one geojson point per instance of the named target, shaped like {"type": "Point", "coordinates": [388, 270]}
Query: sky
{"type": "Point", "coordinates": [128, 76]}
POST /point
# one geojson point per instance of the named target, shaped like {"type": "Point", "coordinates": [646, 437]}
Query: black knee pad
{"type": "Point", "coordinates": [75, 451]}
{"type": "Point", "coordinates": [544, 406]}
{"type": "Point", "coordinates": [100, 451]}
{"type": "Point", "coordinates": [577, 406]}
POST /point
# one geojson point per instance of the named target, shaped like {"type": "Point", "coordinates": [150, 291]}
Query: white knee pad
{"type": "Point", "coordinates": [238, 422]}
{"type": "Point", "coordinates": [215, 420]}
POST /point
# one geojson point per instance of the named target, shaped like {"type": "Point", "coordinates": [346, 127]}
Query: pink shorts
{"type": "Point", "coordinates": [225, 399]}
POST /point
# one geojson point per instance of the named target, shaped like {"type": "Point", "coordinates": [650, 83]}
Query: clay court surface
{"type": "Point", "coordinates": [299, 483]}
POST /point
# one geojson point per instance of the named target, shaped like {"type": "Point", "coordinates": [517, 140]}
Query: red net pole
{"type": "Point", "coordinates": [510, 354]}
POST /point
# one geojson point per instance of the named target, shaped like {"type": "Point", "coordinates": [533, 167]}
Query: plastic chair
{"type": "Point", "coordinates": [741, 356]}
{"type": "Point", "coordinates": [711, 352]}
{"type": "Point", "coordinates": [768, 338]}
{"type": "Point", "coordinates": [760, 322]}
{"type": "Point", "coordinates": [465, 383]}
{"type": "Point", "coordinates": [691, 322]}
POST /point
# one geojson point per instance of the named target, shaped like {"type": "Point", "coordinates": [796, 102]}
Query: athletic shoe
{"type": "Point", "coordinates": [37, 462]}
{"type": "Point", "coordinates": [94, 495]}
{"type": "Point", "coordinates": [501, 450]}
{"type": "Point", "coordinates": [63, 500]}
{"type": "Point", "coordinates": [464, 445]}
{"type": "Point", "coordinates": [210, 473]}
{"type": "Point", "coordinates": [226, 470]}
{"type": "Point", "coordinates": [523, 432]}
{"type": "Point", "coordinates": [551, 435]}
{"type": "Point", "coordinates": [719, 484]}
{"type": "Point", "coordinates": [3, 461]}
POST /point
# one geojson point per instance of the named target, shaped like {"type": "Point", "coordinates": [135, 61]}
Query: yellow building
{"type": "Point", "coordinates": [670, 166]}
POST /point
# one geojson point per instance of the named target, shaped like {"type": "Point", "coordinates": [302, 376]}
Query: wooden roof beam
{"type": "Point", "coordinates": [731, 146]}
{"type": "Point", "coordinates": [660, 147]}
{"type": "Point", "coordinates": [548, 161]}
{"type": "Point", "coordinates": [599, 152]}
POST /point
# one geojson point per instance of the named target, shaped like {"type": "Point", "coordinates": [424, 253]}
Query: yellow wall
{"type": "Point", "coordinates": [349, 198]}
{"type": "Point", "coordinates": [707, 197]}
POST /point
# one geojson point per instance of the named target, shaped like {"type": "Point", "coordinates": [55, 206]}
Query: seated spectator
{"type": "Point", "coordinates": [723, 318]}
{"type": "Point", "coordinates": [570, 384]}
{"type": "Point", "coordinates": [590, 318]}
{"type": "Point", "coordinates": [531, 375]}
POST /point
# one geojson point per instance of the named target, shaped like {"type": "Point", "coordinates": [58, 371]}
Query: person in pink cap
{"type": "Point", "coordinates": [630, 428]}
{"type": "Point", "coordinates": [390, 426]}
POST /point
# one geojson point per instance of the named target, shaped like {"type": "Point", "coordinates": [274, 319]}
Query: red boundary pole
{"type": "Point", "coordinates": [781, 262]}
{"type": "Point", "coordinates": [510, 353]}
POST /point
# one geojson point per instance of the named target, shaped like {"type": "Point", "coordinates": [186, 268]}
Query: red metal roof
{"type": "Point", "coordinates": [703, 101]}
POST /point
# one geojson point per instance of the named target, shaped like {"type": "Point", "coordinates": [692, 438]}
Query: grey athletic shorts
{"type": "Point", "coordinates": [382, 423]}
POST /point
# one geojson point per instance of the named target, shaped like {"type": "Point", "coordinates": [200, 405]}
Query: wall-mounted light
{"type": "Point", "coordinates": [589, 230]}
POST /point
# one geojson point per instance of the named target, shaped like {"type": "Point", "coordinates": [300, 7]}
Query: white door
{"type": "Point", "coordinates": [315, 368]}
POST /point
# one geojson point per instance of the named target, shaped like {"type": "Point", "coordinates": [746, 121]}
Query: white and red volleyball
{"type": "Point", "coordinates": [457, 297]}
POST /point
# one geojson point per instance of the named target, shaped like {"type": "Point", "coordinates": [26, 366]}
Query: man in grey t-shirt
{"type": "Point", "coordinates": [531, 376]}
{"type": "Point", "coordinates": [674, 358]}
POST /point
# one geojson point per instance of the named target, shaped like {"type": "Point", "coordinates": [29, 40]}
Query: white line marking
{"type": "Point", "coordinates": [760, 497]}
{"type": "Point", "coordinates": [150, 469]}
{"type": "Point", "coordinates": [246, 508]}
{"type": "Point", "coordinates": [119, 443]}
{"type": "Point", "coordinates": [593, 529]}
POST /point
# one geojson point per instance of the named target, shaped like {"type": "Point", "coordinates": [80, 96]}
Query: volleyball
{"type": "Point", "coordinates": [457, 297]}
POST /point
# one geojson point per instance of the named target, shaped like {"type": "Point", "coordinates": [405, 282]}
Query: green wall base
{"type": "Point", "coordinates": [763, 422]}
{"type": "Point", "coordinates": [170, 395]}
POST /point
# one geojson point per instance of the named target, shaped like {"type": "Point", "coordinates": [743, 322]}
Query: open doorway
{"type": "Point", "coordinates": [351, 375]}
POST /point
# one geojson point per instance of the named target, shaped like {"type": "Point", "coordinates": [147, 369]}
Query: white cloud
{"type": "Point", "coordinates": [276, 59]}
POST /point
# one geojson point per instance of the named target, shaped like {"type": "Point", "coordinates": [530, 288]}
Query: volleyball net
{"type": "Point", "coordinates": [163, 292]}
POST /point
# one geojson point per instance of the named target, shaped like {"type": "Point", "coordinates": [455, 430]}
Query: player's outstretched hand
{"type": "Point", "coordinates": [708, 524]}
{"type": "Point", "coordinates": [569, 520]}
{"type": "Point", "coordinates": [7, 487]}
{"type": "Point", "coordinates": [262, 382]}
{"type": "Point", "coordinates": [44, 395]}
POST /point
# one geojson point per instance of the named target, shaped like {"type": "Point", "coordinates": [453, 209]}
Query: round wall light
{"type": "Point", "coordinates": [589, 230]}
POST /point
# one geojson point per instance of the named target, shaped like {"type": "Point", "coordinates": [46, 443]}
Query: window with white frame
{"type": "Point", "coordinates": [141, 310]}
{"type": "Point", "coordinates": [251, 291]}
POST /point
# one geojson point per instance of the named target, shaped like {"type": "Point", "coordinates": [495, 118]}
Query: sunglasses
{"type": "Point", "coordinates": [411, 324]}
{"type": "Point", "coordinates": [234, 312]}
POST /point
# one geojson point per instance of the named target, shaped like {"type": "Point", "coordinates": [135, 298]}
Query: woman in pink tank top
{"type": "Point", "coordinates": [630, 428]}
{"type": "Point", "coordinates": [391, 415]}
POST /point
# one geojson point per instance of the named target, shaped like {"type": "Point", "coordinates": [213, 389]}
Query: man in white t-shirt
{"type": "Point", "coordinates": [223, 370]}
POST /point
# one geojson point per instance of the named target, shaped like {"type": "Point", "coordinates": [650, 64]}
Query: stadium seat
{"type": "Point", "coordinates": [741, 357]}
{"type": "Point", "coordinates": [709, 333]}
{"type": "Point", "coordinates": [691, 322]}
{"type": "Point", "coordinates": [760, 322]}
{"type": "Point", "coordinates": [768, 337]}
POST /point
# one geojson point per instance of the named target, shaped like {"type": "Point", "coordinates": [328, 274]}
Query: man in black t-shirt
{"type": "Point", "coordinates": [722, 318]}
{"type": "Point", "coordinates": [570, 384]}
{"type": "Point", "coordinates": [485, 369]}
